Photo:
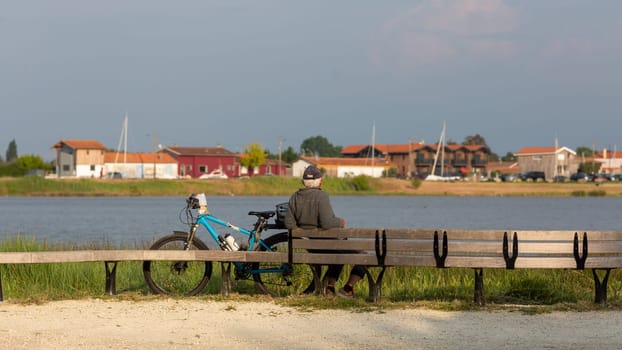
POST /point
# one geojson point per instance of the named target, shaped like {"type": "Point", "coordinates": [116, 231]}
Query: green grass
{"type": "Point", "coordinates": [402, 286]}
{"type": "Point", "coordinates": [260, 185]}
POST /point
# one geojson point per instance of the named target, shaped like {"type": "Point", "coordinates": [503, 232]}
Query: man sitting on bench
{"type": "Point", "coordinates": [310, 208]}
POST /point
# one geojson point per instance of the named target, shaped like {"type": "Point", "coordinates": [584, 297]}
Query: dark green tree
{"type": "Point", "coordinates": [509, 157]}
{"type": "Point", "coordinates": [475, 140]}
{"type": "Point", "coordinates": [584, 151]}
{"type": "Point", "coordinates": [319, 145]}
{"type": "Point", "coordinates": [289, 156]}
{"type": "Point", "coordinates": [11, 152]}
{"type": "Point", "coordinates": [589, 167]}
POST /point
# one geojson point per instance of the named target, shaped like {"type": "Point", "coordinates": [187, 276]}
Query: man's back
{"type": "Point", "coordinates": [311, 208]}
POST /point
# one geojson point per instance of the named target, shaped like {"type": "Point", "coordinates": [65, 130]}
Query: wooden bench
{"type": "Point", "coordinates": [600, 251]}
{"type": "Point", "coordinates": [476, 249]}
{"type": "Point", "coordinates": [110, 258]}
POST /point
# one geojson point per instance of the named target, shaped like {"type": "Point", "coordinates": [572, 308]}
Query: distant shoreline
{"type": "Point", "coordinates": [282, 186]}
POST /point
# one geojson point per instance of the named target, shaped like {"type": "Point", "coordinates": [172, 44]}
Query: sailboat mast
{"type": "Point", "coordinates": [122, 139]}
{"type": "Point", "coordinates": [125, 142]}
{"type": "Point", "coordinates": [440, 146]}
{"type": "Point", "coordinates": [443, 152]}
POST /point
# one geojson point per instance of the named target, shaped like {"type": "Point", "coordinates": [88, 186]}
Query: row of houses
{"type": "Point", "coordinates": [90, 158]}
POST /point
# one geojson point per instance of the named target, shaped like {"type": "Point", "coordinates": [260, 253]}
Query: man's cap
{"type": "Point", "coordinates": [312, 173]}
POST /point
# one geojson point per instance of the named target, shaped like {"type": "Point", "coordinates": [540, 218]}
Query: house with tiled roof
{"type": "Point", "coordinates": [196, 161]}
{"type": "Point", "coordinates": [79, 158]}
{"type": "Point", "coordinates": [140, 165]}
{"type": "Point", "coordinates": [610, 161]}
{"type": "Point", "coordinates": [342, 167]}
{"type": "Point", "coordinates": [553, 161]}
{"type": "Point", "coordinates": [417, 158]}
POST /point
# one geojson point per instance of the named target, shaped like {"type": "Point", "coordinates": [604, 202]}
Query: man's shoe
{"type": "Point", "coordinates": [348, 295]}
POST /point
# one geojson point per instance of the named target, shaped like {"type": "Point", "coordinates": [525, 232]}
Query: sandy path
{"type": "Point", "coordinates": [192, 324]}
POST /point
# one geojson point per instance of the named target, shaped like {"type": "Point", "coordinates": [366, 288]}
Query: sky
{"type": "Point", "coordinates": [276, 72]}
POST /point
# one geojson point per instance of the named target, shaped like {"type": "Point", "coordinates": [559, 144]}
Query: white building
{"type": "Point", "coordinates": [342, 167]}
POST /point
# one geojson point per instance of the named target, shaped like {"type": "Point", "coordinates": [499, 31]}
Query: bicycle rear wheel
{"type": "Point", "coordinates": [177, 277]}
{"type": "Point", "coordinates": [298, 281]}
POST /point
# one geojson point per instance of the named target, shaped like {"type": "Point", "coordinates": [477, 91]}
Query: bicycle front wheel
{"type": "Point", "coordinates": [277, 283]}
{"type": "Point", "coordinates": [177, 277]}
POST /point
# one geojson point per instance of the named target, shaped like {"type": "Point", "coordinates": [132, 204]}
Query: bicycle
{"type": "Point", "coordinates": [191, 277]}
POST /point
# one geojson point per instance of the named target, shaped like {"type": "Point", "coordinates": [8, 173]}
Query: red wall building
{"type": "Point", "coordinates": [196, 161]}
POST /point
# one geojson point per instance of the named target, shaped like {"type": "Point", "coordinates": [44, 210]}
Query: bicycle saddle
{"type": "Point", "coordinates": [263, 214]}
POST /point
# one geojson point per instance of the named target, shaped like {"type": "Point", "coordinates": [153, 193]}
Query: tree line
{"type": "Point", "coordinates": [14, 165]}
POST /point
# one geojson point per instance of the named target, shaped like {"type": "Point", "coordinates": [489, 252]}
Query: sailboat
{"type": "Point", "coordinates": [440, 150]}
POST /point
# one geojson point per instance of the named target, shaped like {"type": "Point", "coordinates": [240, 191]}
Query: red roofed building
{"type": "Point", "coordinates": [418, 159]}
{"type": "Point", "coordinates": [196, 161]}
{"type": "Point", "coordinates": [140, 165]}
{"type": "Point", "coordinates": [610, 161]}
{"type": "Point", "coordinates": [79, 158]}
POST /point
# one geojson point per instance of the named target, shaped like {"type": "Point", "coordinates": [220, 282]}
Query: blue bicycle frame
{"type": "Point", "coordinates": [206, 221]}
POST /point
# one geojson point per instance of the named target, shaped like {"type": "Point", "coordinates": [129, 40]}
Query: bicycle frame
{"type": "Point", "coordinates": [206, 221]}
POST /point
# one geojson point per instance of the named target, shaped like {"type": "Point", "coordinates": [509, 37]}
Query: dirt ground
{"type": "Point", "coordinates": [232, 325]}
{"type": "Point", "coordinates": [463, 188]}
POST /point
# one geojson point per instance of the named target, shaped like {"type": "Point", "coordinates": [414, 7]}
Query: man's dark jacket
{"type": "Point", "coordinates": [310, 208]}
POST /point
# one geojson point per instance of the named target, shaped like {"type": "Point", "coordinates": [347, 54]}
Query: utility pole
{"type": "Point", "coordinates": [280, 152]}
{"type": "Point", "coordinates": [410, 158]}
{"type": "Point", "coordinates": [155, 150]}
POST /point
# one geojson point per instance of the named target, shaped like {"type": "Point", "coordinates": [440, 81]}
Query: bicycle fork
{"type": "Point", "coordinates": [179, 267]}
{"type": "Point", "coordinates": [191, 234]}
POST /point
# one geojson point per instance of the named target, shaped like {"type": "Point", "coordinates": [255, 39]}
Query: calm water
{"type": "Point", "coordinates": [131, 220]}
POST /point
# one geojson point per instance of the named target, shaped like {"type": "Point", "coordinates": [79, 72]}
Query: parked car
{"type": "Point", "coordinates": [601, 177]}
{"type": "Point", "coordinates": [533, 176]}
{"type": "Point", "coordinates": [36, 172]}
{"type": "Point", "coordinates": [509, 177]}
{"type": "Point", "coordinates": [114, 175]}
{"type": "Point", "coordinates": [580, 177]}
{"type": "Point", "coordinates": [215, 174]}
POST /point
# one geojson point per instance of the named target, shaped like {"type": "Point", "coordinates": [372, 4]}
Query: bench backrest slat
{"type": "Point", "coordinates": [136, 255]}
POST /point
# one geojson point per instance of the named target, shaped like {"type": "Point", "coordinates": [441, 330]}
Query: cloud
{"type": "Point", "coordinates": [440, 32]}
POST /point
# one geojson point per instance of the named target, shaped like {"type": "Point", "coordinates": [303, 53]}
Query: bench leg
{"type": "Point", "coordinates": [375, 287]}
{"type": "Point", "coordinates": [225, 278]}
{"type": "Point", "coordinates": [318, 282]}
{"type": "Point", "coordinates": [478, 295]}
{"type": "Point", "coordinates": [111, 277]}
{"type": "Point", "coordinates": [600, 287]}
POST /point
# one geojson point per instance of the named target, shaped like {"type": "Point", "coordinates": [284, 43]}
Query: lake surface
{"type": "Point", "coordinates": [129, 220]}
